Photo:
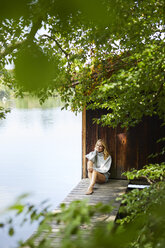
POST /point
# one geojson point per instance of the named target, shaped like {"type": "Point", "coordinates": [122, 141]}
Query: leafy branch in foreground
{"type": "Point", "coordinates": [72, 222]}
{"type": "Point", "coordinates": [138, 201]}
{"type": "Point", "coordinates": [151, 172]}
{"type": "Point", "coordinates": [146, 230]}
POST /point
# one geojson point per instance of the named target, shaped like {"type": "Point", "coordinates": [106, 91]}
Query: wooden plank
{"type": "Point", "coordinates": [121, 151]}
{"type": "Point", "coordinates": [91, 130]}
{"type": "Point", "coordinates": [105, 193]}
{"type": "Point", "coordinates": [84, 173]}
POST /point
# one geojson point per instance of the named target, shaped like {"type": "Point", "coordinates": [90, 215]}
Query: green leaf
{"type": "Point", "coordinates": [11, 231]}
{"type": "Point", "coordinates": [2, 225]}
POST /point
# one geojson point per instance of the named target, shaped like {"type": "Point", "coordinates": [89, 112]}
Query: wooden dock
{"type": "Point", "coordinates": [105, 193]}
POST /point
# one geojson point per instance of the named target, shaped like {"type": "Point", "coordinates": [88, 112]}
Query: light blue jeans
{"type": "Point", "coordinates": [106, 176]}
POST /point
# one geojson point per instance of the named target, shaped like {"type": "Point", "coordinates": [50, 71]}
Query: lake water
{"type": "Point", "coordinates": [40, 153]}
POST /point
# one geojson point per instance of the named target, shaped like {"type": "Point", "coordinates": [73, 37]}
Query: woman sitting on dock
{"type": "Point", "coordinates": [99, 163]}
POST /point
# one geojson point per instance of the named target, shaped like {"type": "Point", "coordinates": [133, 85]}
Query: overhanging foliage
{"type": "Point", "coordinates": [51, 41]}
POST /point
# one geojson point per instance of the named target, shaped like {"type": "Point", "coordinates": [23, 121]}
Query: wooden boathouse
{"type": "Point", "coordinates": [128, 148]}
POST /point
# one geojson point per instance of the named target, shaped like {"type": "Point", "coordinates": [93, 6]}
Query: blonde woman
{"type": "Point", "coordinates": [99, 163]}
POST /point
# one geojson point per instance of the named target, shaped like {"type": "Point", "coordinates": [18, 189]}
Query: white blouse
{"type": "Point", "coordinates": [99, 163]}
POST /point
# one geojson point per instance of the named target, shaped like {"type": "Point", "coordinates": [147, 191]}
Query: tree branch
{"type": "Point", "coordinates": [66, 54]}
{"type": "Point", "coordinates": [34, 29]}
{"type": "Point", "coordinates": [17, 45]}
{"type": "Point", "coordinates": [148, 180]}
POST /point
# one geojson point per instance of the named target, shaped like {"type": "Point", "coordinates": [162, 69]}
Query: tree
{"type": "Point", "coordinates": [55, 45]}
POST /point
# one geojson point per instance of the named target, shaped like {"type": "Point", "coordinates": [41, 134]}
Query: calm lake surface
{"type": "Point", "coordinates": [40, 153]}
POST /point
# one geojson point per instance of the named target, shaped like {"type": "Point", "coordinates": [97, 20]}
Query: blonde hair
{"type": "Point", "coordinates": [105, 152]}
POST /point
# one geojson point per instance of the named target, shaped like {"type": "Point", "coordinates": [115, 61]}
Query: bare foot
{"type": "Point", "coordinates": [89, 191]}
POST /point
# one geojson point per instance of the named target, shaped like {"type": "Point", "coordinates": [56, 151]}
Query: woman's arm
{"type": "Point", "coordinates": [91, 160]}
{"type": "Point", "coordinates": [90, 166]}
{"type": "Point", "coordinates": [105, 167]}
{"type": "Point", "coordinates": [91, 156]}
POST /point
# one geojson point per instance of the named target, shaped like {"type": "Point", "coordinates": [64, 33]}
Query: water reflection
{"type": "Point", "coordinates": [40, 153]}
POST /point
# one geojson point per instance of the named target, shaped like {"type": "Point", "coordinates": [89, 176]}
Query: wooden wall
{"type": "Point", "coordinates": [129, 149]}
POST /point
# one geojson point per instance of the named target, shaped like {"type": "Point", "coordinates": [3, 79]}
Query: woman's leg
{"type": "Point", "coordinates": [100, 178]}
{"type": "Point", "coordinates": [95, 177]}
{"type": "Point", "coordinates": [90, 169]}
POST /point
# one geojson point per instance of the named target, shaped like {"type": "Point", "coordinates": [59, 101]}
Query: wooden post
{"type": "Point", "coordinates": [84, 174]}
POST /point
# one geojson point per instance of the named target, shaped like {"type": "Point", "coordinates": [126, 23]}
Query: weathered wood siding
{"type": "Point", "coordinates": [129, 149]}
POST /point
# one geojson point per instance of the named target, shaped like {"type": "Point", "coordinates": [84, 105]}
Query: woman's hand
{"type": "Point", "coordinates": [96, 150]}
